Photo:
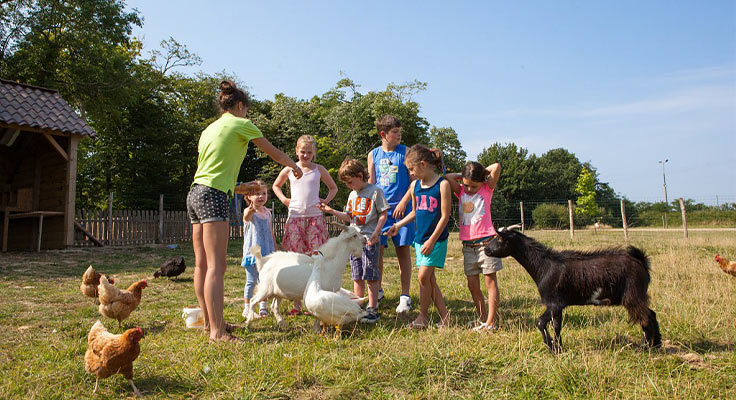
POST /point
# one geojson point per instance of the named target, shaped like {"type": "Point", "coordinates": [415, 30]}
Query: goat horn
{"type": "Point", "coordinates": [514, 227]}
{"type": "Point", "coordinates": [339, 225]}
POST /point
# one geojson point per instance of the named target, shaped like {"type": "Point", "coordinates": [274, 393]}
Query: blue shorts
{"type": "Point", "coordinates": [435, 259]}
{"type": "Point", "coordinates": [405, 237]}
{"type": "Point", "coordinates": [365, 267]}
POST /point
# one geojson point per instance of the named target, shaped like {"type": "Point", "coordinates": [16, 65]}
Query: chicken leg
{"type": "Point", "coordinates": [135, 389]}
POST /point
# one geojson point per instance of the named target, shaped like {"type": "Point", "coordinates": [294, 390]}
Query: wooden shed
{"type": "Point", "coordinates": [39, 134]}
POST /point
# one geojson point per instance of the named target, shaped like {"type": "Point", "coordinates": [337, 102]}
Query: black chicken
{"type": "Point", "coordinates": [171, 268]}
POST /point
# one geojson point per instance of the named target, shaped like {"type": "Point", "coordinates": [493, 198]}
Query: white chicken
{"type": "Point", "coordinates": [330, 308]}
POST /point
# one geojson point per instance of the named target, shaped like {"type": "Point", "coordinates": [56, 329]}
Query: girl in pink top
{"type": "Point", "coordinates": [474, 188]}
{"type": "Point", "coordinates": [305, 229]}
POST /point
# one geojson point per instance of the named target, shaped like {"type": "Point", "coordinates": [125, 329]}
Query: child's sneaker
{"type": "Point", "coordinates": [372, 316]}
{"type": "Point", "coordinates": [246, 310]}
{"type": "Point", "coordinates": [380, 294]}
{"type": "Point", "coordinates": [404, 306]}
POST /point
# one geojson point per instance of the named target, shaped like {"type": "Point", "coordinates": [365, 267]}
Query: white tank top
{"type": "Point", "coordinates": [305, 194]}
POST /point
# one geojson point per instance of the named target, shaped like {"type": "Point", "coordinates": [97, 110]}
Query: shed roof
{"type": "Point", "coordinates": [39, 108]}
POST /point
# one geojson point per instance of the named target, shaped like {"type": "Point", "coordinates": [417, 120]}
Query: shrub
{"type": "Point", "coordinates": [553, 216]}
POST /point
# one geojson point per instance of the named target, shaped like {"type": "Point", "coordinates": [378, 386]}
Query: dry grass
{"type": "Point", "coordinates": [46, 320]}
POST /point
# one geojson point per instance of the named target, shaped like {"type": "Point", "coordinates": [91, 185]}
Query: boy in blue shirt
{"type": "Point", "coordinates": [387, 171]}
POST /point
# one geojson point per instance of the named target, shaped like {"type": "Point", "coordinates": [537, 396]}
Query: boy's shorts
{"type": "Point", "coordinates": [405, 237]}
{"type": "Point", "coordinates": [476, 261]}
{"type": "Point", "coordinates": [206, 204]}
{"type": "Point", "coordinates": [365, 267]}
{"type": "Point", "coordinates": [435, 259]}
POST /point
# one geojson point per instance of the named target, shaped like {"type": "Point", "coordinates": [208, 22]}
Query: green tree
{"type": "Point", "coordinates": [586, 204]}
{"type": "Point", "coordinates": [446, 140]}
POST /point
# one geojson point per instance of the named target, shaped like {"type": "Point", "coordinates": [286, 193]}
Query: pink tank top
{"type": "Point", "coordinates": [305, 194]}
{"type": "Point", "coordinates": [475, 214]}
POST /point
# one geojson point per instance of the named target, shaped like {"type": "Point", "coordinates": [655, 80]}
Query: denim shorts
{"type": "Point", "coordinates": [365, 268]}
{"type": "Point", "coordinates": [205, 204]}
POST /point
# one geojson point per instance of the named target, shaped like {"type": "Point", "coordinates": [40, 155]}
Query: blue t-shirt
{"type": "Point", "coordinates": [429, 211]}
{"type": "Point", "coordinates": [392, 176]}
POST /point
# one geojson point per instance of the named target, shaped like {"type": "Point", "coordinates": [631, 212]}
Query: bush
{"type": "Point", "coordinates": [553, 216]}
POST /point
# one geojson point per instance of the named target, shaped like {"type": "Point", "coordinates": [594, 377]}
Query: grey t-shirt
{"type": "Point", "coordinates": [364, 207]}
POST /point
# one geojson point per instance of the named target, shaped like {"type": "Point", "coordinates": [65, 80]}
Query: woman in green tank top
{"type": "Point", "coordinates": [222, 147]}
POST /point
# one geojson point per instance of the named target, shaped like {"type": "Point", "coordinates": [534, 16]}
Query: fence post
{"type": "Point", "coordinates": [684, 219]}
{"type": "Point", "coordinates": [521, 206]}
{"type": "Point", "coordinates": [109, 221]}
{"type": "Point", "coordinates": [160, 230]}
{"type": "Point", "coordinates": [623, 219]}
{"type": "Point", "coordinates": [572, 225]}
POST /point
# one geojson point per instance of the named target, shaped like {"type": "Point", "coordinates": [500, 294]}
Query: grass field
{"type": "Point", "coordinates": [45, 320]}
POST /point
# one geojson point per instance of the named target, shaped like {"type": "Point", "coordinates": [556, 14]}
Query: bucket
{"type": "Point", "coordinates": [194, 317]}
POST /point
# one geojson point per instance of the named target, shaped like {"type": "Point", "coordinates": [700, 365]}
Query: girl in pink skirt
{"type": "Point", "coordinates": [305, 229]}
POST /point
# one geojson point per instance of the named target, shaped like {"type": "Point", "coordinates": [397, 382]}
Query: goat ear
{"type": "Point", "coordinates": [339, 225]}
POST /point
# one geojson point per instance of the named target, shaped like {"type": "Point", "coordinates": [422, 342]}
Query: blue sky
{"type": "Point", "coordinates": [622, 84]}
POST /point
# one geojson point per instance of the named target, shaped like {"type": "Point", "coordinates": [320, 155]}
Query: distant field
{"type": "Point", "coordinates": [46, 319]}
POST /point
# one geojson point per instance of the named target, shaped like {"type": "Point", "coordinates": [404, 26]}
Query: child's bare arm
{"type": "Point", "coordinates": [248, 213]}
{"type": "Point", "coordinates": [409, 217]}
{"type": "Point", "coordinates": [453, 179]}
{"type": "Point", "coordinates": [379, 226]}
{"type": "Point", "coordinates": [326, 178]}
{"type": "Point", "coordinates": [401, 207]}
{"type": "Point", "coordinates": [371, 170]}
{"type": "Point", "coordinates": [494, 172]}
{"type": "Point", "coordinates": [278, 183]}
{"type": "Point", "coordinates": [344, 217]}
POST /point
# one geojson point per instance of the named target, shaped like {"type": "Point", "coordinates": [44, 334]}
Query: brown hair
{"type": "Point", "coordinates": [230, 96]}
{"type": "Point", "coordinates": [352, 168]}
{"type": "Point", "coordinates": [475, 172]}
{"type": "Point", "coordinates": [419, 153]}
{"type": "Point", "coordinates": [386, 123]}
{"type": "Point", "coordinates": [261, 185]}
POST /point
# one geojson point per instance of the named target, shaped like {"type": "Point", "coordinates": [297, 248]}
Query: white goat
{"type": "Point", "coordinates": [284, 275]}
{"type": "Point", "coordinates": [331, 309]}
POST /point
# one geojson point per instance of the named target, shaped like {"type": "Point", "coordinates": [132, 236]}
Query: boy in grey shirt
{"type": "Point", "coordinates": [367, 210]}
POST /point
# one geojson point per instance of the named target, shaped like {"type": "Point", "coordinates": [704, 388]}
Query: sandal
{"type": "Point", "coordinates": [483, 327]}
{"type": "Point", "coordinates": [416, 326]}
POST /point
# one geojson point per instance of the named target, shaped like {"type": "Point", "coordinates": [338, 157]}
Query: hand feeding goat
{"type": "Point", "coordinates": [284, 275]}
{"type": "Point", "coordinates": [330, 308]}
{"type": "Point", "coordinates": [565, 278]}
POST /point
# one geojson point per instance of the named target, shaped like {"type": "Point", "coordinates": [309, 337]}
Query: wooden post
{"type": "Point", "coordinates": [521, 206]}
{"type": "Point", "coordinates": [684, 219]}
{"type": "Point", "coordinates": [572, 225]}
{"type": "Point", "coordinates": [160, 231]}
{"type": "Point", "coordinates": [109, 221]}
{"type": "Point", "coordinates": [623, 220]}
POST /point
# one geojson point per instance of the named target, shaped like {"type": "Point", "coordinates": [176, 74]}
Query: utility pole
{"type": "Point", "coordinates": [664, 183]}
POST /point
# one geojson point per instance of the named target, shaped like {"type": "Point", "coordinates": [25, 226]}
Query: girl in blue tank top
{"type": "Point", "coordinates": [256, 231]}
{"type": "Point", "coordinates": [431, 200]}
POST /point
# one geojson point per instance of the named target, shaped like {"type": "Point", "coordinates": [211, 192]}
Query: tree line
{"type": "Point", "coordinates": [148, 115]}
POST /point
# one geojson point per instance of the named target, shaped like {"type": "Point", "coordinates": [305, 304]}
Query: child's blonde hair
{"type": "Point", "coordinates": [261, 185]}
{"type": "Point", "coordinates": [308, 140]}
{"type": "Point", "coordinates": [352, 168]}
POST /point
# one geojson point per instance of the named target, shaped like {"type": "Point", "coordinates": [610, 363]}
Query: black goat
{"type": "Point", "coordinates": [565, 278]}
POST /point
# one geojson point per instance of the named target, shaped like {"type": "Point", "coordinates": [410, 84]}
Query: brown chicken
{"type": "Point", "coordinates": [117, 303]}
{"type": "Point", "coordinates": [109, 354]}
{"type": "Point", "coordinates": [728, 267]}
{"type": "Point", "coordinates": [90, 281]}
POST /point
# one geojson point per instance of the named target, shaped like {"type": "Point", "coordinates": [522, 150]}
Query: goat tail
{"type": "Point", "coordinates": [256, 251]}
